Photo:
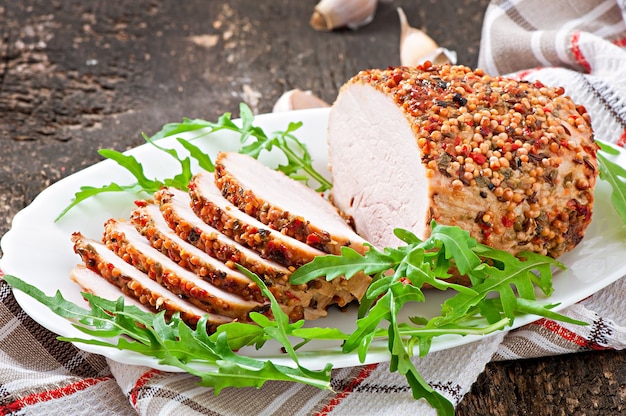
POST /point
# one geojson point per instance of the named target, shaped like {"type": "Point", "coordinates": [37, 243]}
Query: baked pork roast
{"type": "Point", "coordinates": [512, 162]}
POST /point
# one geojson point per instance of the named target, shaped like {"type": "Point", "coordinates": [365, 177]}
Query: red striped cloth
{"type": "Point", "coordinates": [576, 44]}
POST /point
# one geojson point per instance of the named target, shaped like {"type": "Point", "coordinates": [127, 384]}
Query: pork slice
{"type": "Point", "coordinates": [124, 240]}
{"type": "Point", "coordinates": [210, 206]}
{"type": "Point", "coordinates": [511, 162]}
{"type": "Point", "coordinates": [150, 223]}
{"type": "Point", "coordinates": [101, 263]}
{"type": "Point", "coordinates": [308, 301]}
{"type": "Point", "coordinates": [283, 204]}
{"type": "Point", "coordinates": [91, 282]}
{"type": "Point", "coordinates": [175, 206]}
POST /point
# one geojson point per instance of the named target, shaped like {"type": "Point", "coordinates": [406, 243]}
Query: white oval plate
{"type": "Point", "coordinates": [38, 250]}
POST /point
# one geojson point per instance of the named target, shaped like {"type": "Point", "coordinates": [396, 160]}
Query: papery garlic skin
{"type": "Point", "coordinates": [333, 14]}
{"type": "Point", "coordinates": [416, 47]}
{"type": "Point", "coordinates": [439, 56]}
{"type": "Point", "coordinates": [297, 99]}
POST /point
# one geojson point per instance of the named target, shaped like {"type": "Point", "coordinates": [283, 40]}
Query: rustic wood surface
{"type": "Point", "coordinates": [78, 76]}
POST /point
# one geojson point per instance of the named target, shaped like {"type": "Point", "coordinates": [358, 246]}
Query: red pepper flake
{"type": "Point", "coordinates": [508, 222]}
{"type": "Point", "coordinates": [313, 239]}
{"type": "Point", "coordinates": [546, 110]}
{"type": "Point", "coordinates": [141, 203]}
{"type": "Point", "coordinates": [479, 158]}
{"type": "Point", "coordinates": [278, 252]}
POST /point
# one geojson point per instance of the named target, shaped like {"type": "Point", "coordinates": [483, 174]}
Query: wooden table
{"type": "Point", "coordinates": [78, 76]}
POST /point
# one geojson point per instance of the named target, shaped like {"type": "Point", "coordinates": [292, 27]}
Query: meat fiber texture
{"type": "Point", "coordinates": [512, 162]}
{"type": "Point", "coordinates": [297, 213]}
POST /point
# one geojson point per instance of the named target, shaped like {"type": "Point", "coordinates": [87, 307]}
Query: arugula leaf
{"type": "Point", "coordinates": [615, 175]}
{"type": "Point", "coordinates": [87, 192]}
{"type": "Point", "coordinates": [134, 167]}
{"type": "Point", "coordinates": [402, 363]}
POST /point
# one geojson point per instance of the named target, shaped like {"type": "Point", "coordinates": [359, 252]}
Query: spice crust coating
{"type": "Point", "coordinates": [513, 162]}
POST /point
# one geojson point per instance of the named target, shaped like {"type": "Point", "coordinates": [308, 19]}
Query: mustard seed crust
{"type": "Point", "coordinates": [518, 159]}
{"type": "Point", "coordinates": [214, 246]}
{"type": "Point", "coordinates": [221, 277]}
{"type": "Point", "coordinates": [117, 242]}
{"type": "Point", "coordinates": [259, 239]}
{"type": "Point", "coordinates": [296, 301]}
{"type": "Point", "coordinates": [311, 300]}
{"type": "Point", "coordinates": [129, 286]}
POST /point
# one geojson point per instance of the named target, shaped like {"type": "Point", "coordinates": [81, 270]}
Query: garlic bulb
{"type": "Point", "coordinates": [417, 47]}
{"type": "Point", "coordinates": [332, 14]}
{"type": "Point", "coordinates": [298, 100]}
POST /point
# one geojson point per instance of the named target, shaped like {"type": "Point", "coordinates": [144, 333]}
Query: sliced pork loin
{"type": "Point", "coordinates": [512, 162]}
{"type": "Point", "coordinates": [150, 223]}
{"type": "Point", "coordinates": [283, 204]}
{"type": "Point", "coordinates": [298, 302]}
{"type": "Point", "coordinates": [124, 240]}
{"type": "Point", "coordinates": [100, 262]}
{"type": "Point", "coordinates": [144, 294]}
{"type": "Point", "coordinates": [209, 205]}
{"type": "Point", "coordinates": [212, 208]}
{"type": "Point", "coordinates": [175, 206]}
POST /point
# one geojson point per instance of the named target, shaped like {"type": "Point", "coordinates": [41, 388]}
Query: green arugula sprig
{"type": "Point", "coordinates": [253, 142]}
{"type": "Point", "coordinates": [299, 162]}
{"type": "Point", "coordinates": [211, 357]}
{"type": "Point", "coordinates": [420, 263]}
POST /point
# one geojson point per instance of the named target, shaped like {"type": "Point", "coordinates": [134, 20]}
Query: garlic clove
{"type": "Point", "coordinates": [297, 99]}
{"type": "Point", "coordinates": [416, 47]}
{"type": "Point", "coordinates": [333, 14]}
